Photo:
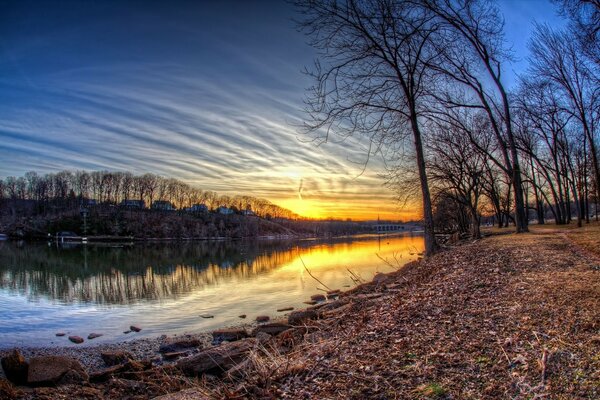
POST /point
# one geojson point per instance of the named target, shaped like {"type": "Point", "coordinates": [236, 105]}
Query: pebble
{"type": "Point", "coordinates": [76, 339]}
{"type": "Point", "coordinates": [135, 328]}
{"type": "Point", "coordinates": [317, 297]}
{"type": "Point", "coordinates": [94, 335]}
{"type": "Point", "coordinates": [262, 318]}
{"type": "Point", "coordinates": [242, 316]}
{"type": "Point", "coordinates": [60, 334]}
{"type": "Point", "coordinates": [285, 309]}
{"type": "Point", "coordinates": [207, 316]}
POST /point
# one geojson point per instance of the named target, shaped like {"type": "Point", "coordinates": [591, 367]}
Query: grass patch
{"type": "Point", "coordinates": [432, 390]}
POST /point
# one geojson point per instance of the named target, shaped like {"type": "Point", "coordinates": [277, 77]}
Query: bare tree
{"type": "Point", "coordinates": [556, 59]}
{"type": "Point", "coordinates": [372, 76]}
{"type": "Point", "coordinates": [472, 44]}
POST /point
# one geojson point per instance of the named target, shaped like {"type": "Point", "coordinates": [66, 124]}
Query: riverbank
{"type": "Point", "coordinates": [511, 316]}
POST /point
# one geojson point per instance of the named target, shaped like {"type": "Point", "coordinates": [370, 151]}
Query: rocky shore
{"type": "Point", "coordinates": [512, 316]}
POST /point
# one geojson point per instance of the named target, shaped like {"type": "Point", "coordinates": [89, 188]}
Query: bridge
{"type": "Point", "coordinates": [389, 227]}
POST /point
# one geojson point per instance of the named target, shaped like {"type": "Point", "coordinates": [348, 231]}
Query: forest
{"type": "Point", "coordinates": [426, 83]}
{"type": "Point", "coordinates": [120, 204]}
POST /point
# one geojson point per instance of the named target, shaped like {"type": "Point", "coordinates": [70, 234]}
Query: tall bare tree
{"type": "Point", "coordinates": [372, 77]}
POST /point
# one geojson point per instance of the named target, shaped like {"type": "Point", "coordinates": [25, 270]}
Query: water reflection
{"type": "Point", "coordinates": [130, 273]}
{"type": "Point", "coordinates": [166, 286]}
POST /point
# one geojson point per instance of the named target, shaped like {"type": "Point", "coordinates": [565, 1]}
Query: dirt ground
{"type": "Point", "coordinates": [506, 317]}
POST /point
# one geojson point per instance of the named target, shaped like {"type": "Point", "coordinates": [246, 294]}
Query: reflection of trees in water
{"type": "Point", "coordinates": [121, 275]}
{"type": "Point", "coordinates": [127, 274]}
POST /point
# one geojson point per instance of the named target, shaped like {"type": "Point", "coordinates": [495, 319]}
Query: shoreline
{"type": "Point", "coordinates": [509, 316]}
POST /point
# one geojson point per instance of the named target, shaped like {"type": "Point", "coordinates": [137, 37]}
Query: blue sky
{"type": "Point", "coordinates": [206, 91]}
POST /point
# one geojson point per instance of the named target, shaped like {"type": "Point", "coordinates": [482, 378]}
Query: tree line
{"type": "Point", "coordinates": [424, 81]}
{"type": "Point", "coordinates": [69, 189]}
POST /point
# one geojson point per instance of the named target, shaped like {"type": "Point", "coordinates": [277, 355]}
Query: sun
{"type": "Point", "coordinates": [302, 207]}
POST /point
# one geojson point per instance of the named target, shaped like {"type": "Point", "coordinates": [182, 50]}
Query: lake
{"type": "Point", "coordinates": [165, 287]}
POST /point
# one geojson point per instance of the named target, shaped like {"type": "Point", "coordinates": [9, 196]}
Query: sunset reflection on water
{"type": "Point", "coordinates": [166, 287]}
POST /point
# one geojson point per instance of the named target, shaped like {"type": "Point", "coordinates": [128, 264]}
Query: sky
{"type": "Point", "coordinates": [209, 92]}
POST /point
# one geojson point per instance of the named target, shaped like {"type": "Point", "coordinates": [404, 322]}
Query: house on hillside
{"type": "Point", "coordinates": [140, 204]}
{"type": "Point", "coordinates": [163, 205]}
{"type": "Point", "coordinates": [197, 208]}
{"type": "Point", "coordinates": [224, 210]}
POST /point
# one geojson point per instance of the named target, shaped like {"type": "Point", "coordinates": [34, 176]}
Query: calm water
{"type": "Point", "coordinates": [165, 287]}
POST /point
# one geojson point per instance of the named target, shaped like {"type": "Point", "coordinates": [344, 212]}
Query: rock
{"type": "Point", "coordinates": [207, 316]}
{"type": "Point", "coordinates": [15, 367]}
{"type": "Point", "coordinates": [112, 358]}
{"type": "Point", "coordinates": [272, 328]}
{"type": "Point", "coordinates": [106, 374]}
{"type": "Point", "coordinates": [135, 328]}
{"type": "Point", "coordinates": [94, 335]}
{"type": "Point", "coordinates": [336, 312]}
{"type": "Point", "coordinates": [299, 317]}
{"type": "Point", "coordinates": [76, 339]}
{"type": "Point", "coordinates": [128, 368]}
{"type": "Point", "coordinates": [380, 278]}
{"type": "Point", "coordinates": [285, 309]}
{"type": "Point", "coordinates": [174, 354]}
{"type": "Point", "coordinates": [262, 318]}
{"type": "Point", "coordinates": [179, 345]}
{"type": "Point", "coordinates": [53, 370]}
{"type": "Point", "coordinates": [318, 297]}
{"type": "Point", "coordinates": [60, 334]}
{"type": "Point", "coordinates": [263, 337]}
{"type": "Point", "coordinates": [217, 359]}
{"type": "Point", "coordinates": [242, 316]}
{"type": "Point", "coordinates": [229, 334]}
{"type": "Point", "coordinates": [310, 303]}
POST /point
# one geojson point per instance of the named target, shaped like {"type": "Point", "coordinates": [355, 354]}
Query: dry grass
{"type": "Point", "coordinates": [508, 317]}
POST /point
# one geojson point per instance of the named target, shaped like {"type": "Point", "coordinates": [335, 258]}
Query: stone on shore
{"type": "Point", "coordinates": [76, 339]}
{"type": "Point", "coordinates": [15, 367]}
{"type": "Point", "coordinates": [217, 359]}
{"type": "Point", "coordinates": [285, 309]}
{"type": "Point", "coordinates": [112, 358]}
{"type": "Point", "coordinates": [229, 334]}
{"type": "Point", "coordinates": [336, 312]}
{"type": "Point", "coordinates": [135, 328]}
{"type": "Point", "coordinates": [242, 316]}
{"type": "Point", "coordinates": [55, 370]}
{"type": "Point", "coordinates": [94, 335]}
{"type": "Point", "coordinates": [300, 317]}
{"type": "Point", "coordinates": [179, 345]}
{"type": "Point", "coordinates": [131, 367]}
{"type": "Point", "coordinates": [60, 334]}
{"type": "Point", "coordinates": [174, 354]}
{"type": "Point", "coordinates": [318, 297]}
{"type": "Point", "coordinates": [380, 278]}
{"type": "Point", "coordinates": [262, 318]}
{"type": "Point", "coordinates": [272, 328]}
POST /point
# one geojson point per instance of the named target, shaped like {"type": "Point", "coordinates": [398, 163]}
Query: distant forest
{"type": "Point", "coordinates": [120, 204]}
{"type": "Point", "coordinates": [68, 189]}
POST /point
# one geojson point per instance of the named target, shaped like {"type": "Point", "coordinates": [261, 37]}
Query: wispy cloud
{"type": "Point", "coordinates": [224, 119]}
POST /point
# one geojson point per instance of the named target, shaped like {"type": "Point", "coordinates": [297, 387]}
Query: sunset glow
{"type": "Point", "coordinates": [212, 96]}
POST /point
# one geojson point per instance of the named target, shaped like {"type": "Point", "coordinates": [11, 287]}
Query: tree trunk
{"type": "Point", "coordinates": [430, 244]}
